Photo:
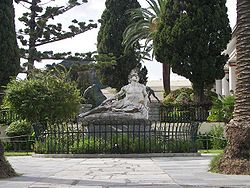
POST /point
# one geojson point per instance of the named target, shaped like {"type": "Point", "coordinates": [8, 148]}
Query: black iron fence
{"type": "Point", "coordinates": [7, 116]}
{"type": "Point", "coordinates": [22, 143]}
{"type": "Point", "coordinates": [184, 112]}
{"type": "Point", "coordinates": [133, 136]}
{"type": "Point", "coordinates": [208, 141]}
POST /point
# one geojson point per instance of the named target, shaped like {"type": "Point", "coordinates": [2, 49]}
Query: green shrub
{"type": "Point", "coordinates": [39, 147]}
{"type": "Point", "coordinates": [18, 128]}
{"type": "Point", "coordinates": [222, 109]}
{"type": "Point", "coordinates": [173, 95]}
{"type": "Point", "coordinates": [118, 144]}
{"type": "Point", "coordinates": [217, 137]}
{"type": "Point", "coordinates": [20, 132]}
{"type": "Point", "coordinates": [89, 145]}
{"type": "Point", "coordinates": [213, 140]}
{"type": "Point", "coordinates": [43, 97]}
{"type": "Point", "coordinates": [183, 98]}
{"type": "Point", "coordinates": [204, 142]}
{"type": "Point", "coordinates": [214, 164]}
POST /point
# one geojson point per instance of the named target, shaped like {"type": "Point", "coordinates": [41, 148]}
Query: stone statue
{"type": "Point", "coordinates": [150, 92]}
{"type": "Point", "coordinates": [130, 101]}
{"type": "Point", "coordinates": [93, 95]}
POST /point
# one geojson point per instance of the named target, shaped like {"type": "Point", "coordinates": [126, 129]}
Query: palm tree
{"type": "Point", "coordinates": [6, 170]}
{"type": "Point", "coordinates": [144, 25]}
{"type": "Point", "coordinates": [236, 158]}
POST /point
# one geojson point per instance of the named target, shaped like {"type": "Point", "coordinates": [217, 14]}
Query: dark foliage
{"type": "Point", "coordinates": [191, 38]}
{"type": "Point", "coordinates": [39, 29]}
{"type": "Point", "coordinates": [109, 41]}
{"type": "Point", "coordinates": [9, 58]}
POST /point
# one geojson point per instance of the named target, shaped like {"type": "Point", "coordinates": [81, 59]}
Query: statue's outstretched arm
{"type": "Point", "coordinates": [121, 93]}
{"type": "Point", "coordinates": [115, 97]}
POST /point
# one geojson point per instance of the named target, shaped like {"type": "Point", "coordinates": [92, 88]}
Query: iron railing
{"type": "Point", "coordinates": [7, 116]}
{"type": "Point", "coordinates": [22, 143]}
{"type": "Point", "coordinates": [133, 136]}
{"type": "Point", "coordinates": [184, 112]}
{"type": "Point", "coordinates": [208, 141]}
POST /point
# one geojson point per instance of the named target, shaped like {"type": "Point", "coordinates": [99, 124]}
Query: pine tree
{"type": "Point", "coordinates": [40, 30]}
{"type": "Point", "coordinates": [114, 21]}
{"type": "Point", "coordinates": [9, 58]}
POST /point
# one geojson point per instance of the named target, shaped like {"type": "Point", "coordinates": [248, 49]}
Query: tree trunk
{"type": "Point", "coordinates": [32, 34]}
{"type": "Point", "coordinates": [198, 92]}
{"type": "Point", "coordinates": [166, 77]}
{"type": "Point", "coordinates": [236, 158]}
{"type": "Point", "coordinates": [1, 95]}
{"type": "Point", "coordinates": [5, 168]}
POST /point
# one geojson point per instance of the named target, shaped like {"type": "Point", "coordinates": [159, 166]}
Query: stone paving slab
{"type": "Point", "coordinates": [192, 172]}
{"type": "Point", "coordinates": [172, 172]}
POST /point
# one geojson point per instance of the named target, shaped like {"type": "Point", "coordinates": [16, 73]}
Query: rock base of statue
{"type": "Point", "coordinates": [118, 123]}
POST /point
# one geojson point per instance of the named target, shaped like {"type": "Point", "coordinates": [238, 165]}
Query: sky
{"type": "Point", "coordinates": [87, 41]}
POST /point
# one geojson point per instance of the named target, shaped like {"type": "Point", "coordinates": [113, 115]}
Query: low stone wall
{"type": "Point", "coordinates": [154, 111]}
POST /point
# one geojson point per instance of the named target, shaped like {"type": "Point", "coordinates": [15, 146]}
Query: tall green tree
{"type": "Point", "coordinates": [191, 38]}
{"type": "Point", "coordinates": [236, 157]}
{"type": "Point", "coordinates": [9, 58]}
{"type": "Point", "coordinates": [39, 30]}
{"type": "Point", "coordinates": [114, 21]}
{"type": "Point", "coordinates": [9, 65]}
{"type": "Point", "coordinates": [143, 26]}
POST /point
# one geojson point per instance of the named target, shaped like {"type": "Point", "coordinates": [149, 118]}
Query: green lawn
{"type": "Point", "coordinates": [18, 153]}
{"type": "Point", "coordinates": [211, 151]}
{"type": "Point", "coordinates": [30, 153]}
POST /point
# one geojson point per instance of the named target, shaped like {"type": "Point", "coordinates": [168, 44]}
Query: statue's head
{"type": "Point", "coordinates": [134, 75]}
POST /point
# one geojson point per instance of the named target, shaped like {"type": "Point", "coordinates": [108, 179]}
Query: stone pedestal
{"type": "Point", "coordinates": [154, 111]}
{"type": "Point", "coordinates": [104, 125]}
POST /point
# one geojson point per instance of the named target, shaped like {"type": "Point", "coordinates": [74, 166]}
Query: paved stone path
{"type": "Point", "coordinates": [172, 172]}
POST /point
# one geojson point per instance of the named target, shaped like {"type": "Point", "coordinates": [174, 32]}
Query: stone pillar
{"type": "Point", "coordinates": [218, 86]}
{"type": "Point", "coordinates": [225, 82]}
{"type": "Point", "coordinates": [232, 76]}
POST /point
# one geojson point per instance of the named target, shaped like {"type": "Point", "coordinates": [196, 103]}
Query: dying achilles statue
{"type": "Point", "coordinates": [130, 102]}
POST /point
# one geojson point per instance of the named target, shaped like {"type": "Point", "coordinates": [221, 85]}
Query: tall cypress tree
{"type": "Point", "coordinates": [114, 21]}
{"type": "Point", "coordinates": [9, 64]}
{"type": "Point", "coordinates": [9, 56]}
{"type": "Point", "coordinates": [191, 38]}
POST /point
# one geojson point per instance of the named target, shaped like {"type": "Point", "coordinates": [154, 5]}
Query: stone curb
{"type": "Point", "coordinates": [210, 154]}
{"type": "Point", "coordinates": [136, 155]}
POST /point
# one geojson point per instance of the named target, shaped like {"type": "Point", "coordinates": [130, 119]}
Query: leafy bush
{"type": "Point", "coordinates": [214, 139]}
{"type": "Point", "coordinates": [186, 95]}
{"type": "Point", "coordinates": [173, 95]}
{"type": "Point", "coordinates": [43, 97]}
{"type": "Point", "coordinates": [118, 144]}
{"type": "Point", "coordinates": [204, 142]}
{"type": "Point", "coordinates": [214, 164]}
{"type": "Point", "coordinates": [183, 98]}
{"type": "Point", "coordinates": [222, 109]}
{"type": "Point", "coordinates": [18, 128]}
{"type": "Point", "coordinates": [217, 137]}
{"type": "Point", "coordinates": [20, 132]}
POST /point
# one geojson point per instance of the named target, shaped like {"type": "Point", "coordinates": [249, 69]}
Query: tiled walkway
{"type": "Point", "coordinates": [172, 172]}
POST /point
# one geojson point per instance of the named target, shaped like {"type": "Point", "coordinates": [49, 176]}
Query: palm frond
{"type": "Point", "coordinates": [143, 25]}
